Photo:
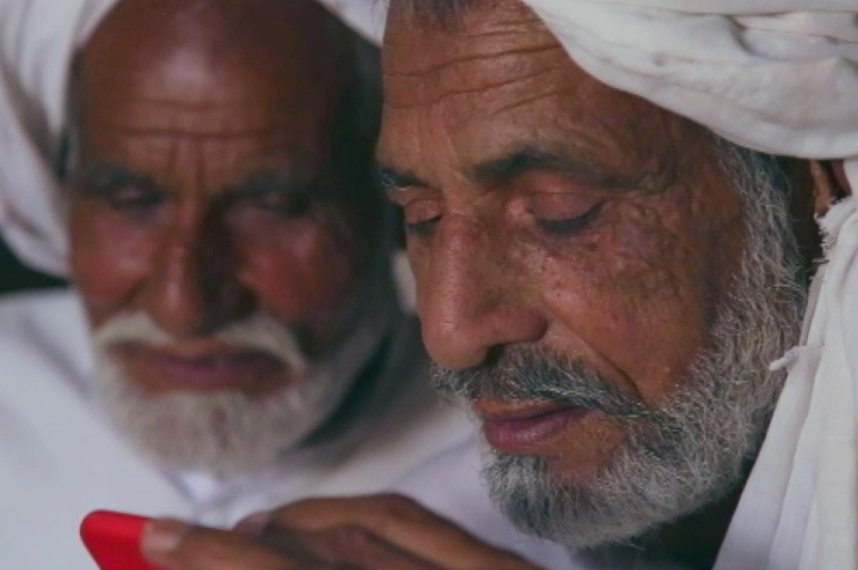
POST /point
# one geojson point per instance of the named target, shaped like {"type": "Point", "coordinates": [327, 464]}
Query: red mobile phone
{"type": "Point", "coordinates": [113, 540]}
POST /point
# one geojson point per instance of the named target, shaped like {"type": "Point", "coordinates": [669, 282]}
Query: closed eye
{"type": "Point", "coordinates": [567, 227]}
{"type": "Point", "coordinates": [121, 189]}
{"type": "Point", "coordinates": [420, 215]}
{"type": "Point", "coordinates": [422, 228]}
{"type": "Point", "coordinates": [284, 203]}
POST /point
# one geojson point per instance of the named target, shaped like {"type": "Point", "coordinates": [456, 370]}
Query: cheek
{"type": "Point", "coordinates": [634, 299]}
{"type": "Point", "coordinates": [110, 259]}
{"type": "Point", "coordinates": [301, 273]}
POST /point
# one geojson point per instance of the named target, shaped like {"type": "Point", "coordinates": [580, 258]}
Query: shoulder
{"type": "Point", "coordinates": [42, 334]}
{"type": "Point", "coordinates": [41, 307]}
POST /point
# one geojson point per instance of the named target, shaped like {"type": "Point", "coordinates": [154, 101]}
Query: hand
{"type": "Point", "coordinates": [365, 533]}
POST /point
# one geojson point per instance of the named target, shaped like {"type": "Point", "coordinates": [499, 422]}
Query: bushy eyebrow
{"type": "Point", "coordinates": [273, 180]}
{"type": "Point", "coordinates": [510, 166]}
{"type": "Point", "coordinates": [105, 175]}
{"type": "Point", "coordinates": [392, 180]}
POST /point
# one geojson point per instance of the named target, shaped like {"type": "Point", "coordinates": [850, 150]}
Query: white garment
{"type": "Point", "coordinates": [798, 509]}
{"type": "Point", "coordinates": [59, 459]}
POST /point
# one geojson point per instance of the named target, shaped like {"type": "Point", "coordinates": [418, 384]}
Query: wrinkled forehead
{"type": "Point", "coordinates": [210, 54]}
{"type": "Point", "coordinates": [427, 53]}
{"type": "Point", "coordinates": [493, 78]}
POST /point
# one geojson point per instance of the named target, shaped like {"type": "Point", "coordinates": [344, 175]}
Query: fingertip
{"type": "Point", "coordinates": [162, 536]}
{"type": "Point", "coordinates": [255, 523]}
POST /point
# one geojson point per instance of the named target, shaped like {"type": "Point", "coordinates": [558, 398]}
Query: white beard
{"type": "Point", "coordinates": [228, 432]}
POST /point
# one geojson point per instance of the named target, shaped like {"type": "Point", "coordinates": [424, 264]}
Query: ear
{"type": "Point", "coordinates": [829, 183]}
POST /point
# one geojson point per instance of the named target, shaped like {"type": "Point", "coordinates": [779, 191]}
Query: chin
{"type": "Point", "coordinates": [224, 431]}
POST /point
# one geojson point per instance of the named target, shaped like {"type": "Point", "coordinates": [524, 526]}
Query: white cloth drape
{"type": "Point", "coordinates": [37, 40]}
{"type": "Point", "coordinates": [777, 75]}
{"type": "Point", "coordinates": [798, 510]}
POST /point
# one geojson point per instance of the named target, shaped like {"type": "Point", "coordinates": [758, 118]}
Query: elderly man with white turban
{"type": "Point", "coordinates": [202, 172]}
{"type": "Point", "coordinates": [634, 242]}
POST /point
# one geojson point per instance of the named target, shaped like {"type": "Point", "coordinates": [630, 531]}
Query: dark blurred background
{"type": "Point", "coordinates": [14, 276]}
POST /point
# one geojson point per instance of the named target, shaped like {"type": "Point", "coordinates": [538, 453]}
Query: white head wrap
{"type": "Point", "coordinates": [38, 39]}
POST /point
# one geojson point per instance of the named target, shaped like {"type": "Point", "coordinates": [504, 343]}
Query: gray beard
{"type": "Point", "coordinates": [227, 432]}
{"type": "Point", "coordinates": [690, 450]}
{"type": "Point", "coordinates": [222, 433]}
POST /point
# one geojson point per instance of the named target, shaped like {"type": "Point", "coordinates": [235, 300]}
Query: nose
{"type": "Point", "coordinates": [470, 300]}
{"type": "Point", "coordinates": [193, 288]}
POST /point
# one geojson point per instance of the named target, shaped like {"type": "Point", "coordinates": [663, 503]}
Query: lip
{"type": "Point", "coordinates": [201, 366]}
{"type": "Point", "coordinates": [526, 428]}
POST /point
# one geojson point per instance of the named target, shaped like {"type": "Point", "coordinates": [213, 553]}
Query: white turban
{"type": "Point", "coordinates": [38, 39]}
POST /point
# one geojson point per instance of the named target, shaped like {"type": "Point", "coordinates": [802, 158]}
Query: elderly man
{"type": "Point", "coordinates": [613, 285]}
{"type": "Point", "coordinates": [231, 254]}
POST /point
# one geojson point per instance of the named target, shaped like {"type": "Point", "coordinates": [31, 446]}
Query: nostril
{"type": "Point", "coordinates": [493, 355]}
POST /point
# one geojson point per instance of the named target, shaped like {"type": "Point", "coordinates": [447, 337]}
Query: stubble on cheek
{"type": "Point", "coordinates": [589, 450]}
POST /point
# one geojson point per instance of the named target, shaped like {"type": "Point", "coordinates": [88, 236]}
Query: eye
{"type": "Point", "coordinates": [421, 216]}
{"type": "Point", "coordinates": [567, 227]}
{"type": "Point", "coordinates": [122, 190]}
{"type": "Point", "coordinates": [287, 204]}
{"type": "Point", "coordinates": [565, 214]}
{"type": "Point", "coordinates": [128, 196]}
{"type": "Point", "coordinates": [134, 197]}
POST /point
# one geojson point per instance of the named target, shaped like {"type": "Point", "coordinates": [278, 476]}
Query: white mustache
{"type": "Point", "coordinates": [257, 332]}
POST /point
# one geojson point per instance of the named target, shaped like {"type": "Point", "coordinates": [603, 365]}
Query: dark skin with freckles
{"type": "Point", "coordinates": [542, 208]}
{"type": "Point", "coordinates": [204, 188]}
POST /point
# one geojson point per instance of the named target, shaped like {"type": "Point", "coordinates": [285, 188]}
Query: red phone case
{"type": "Point", "coordinates": [113, 540]}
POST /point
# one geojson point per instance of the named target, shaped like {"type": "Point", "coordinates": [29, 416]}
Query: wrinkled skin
{"type": "Point", "coordinates": [199, 197]}
{"type": "Point", "coordinates": [545, 208]}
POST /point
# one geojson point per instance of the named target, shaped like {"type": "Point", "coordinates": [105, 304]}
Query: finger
{"type": "Point", "coordinates": [173, 545]}
{"type": "Point", "coordinates": [400, 521]}
{"type": "Point", "coordinates": [348, 547]}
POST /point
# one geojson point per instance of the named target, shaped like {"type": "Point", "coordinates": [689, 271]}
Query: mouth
{"type": "Point", "coordinates": [526, 428]}
{"type": "Point", "coordinates": [202, 366]}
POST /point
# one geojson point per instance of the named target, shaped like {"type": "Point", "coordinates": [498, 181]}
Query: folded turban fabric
{"type": "Point", "coordinates": [38, 39]}
{"type": "Point", "coordinates": [779, 76]}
